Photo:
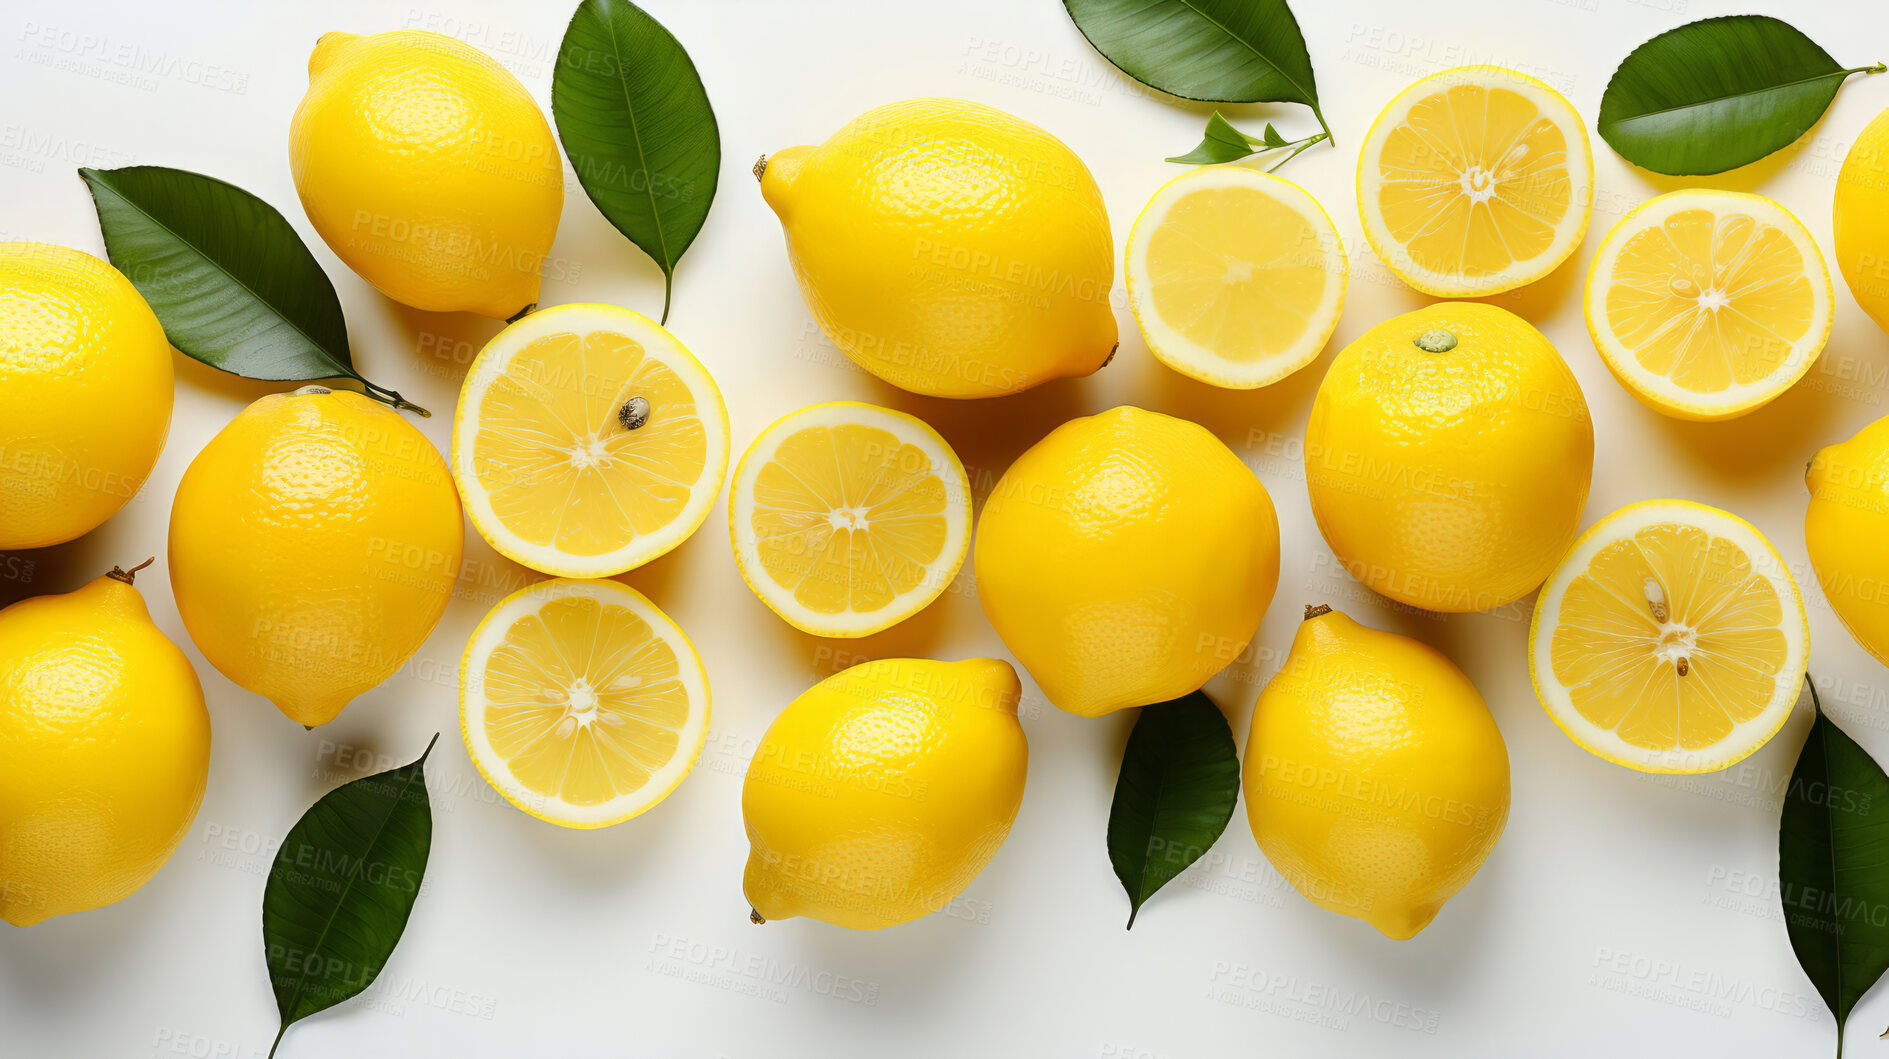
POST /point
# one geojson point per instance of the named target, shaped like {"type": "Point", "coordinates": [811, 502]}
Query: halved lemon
{"type": "Point", "coordinates": [1474, 181]}
{"type": "Point", "coordinates": [581, 702]}
{"type": "Point", "coordinates": [1707, 304]}
{"type": "Point", "coordinates": [1671, 639]}
{"type": "Point", "coordinates": [588, 441]}
{"type": "Point", "coordinates": [1236, 276]}
{"type": "Point", "coordinates": [848, 518]}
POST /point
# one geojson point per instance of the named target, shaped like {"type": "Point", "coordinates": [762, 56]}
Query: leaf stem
{"type": "Point", "coordinates": [1320, 115]}
{"type": "Point", "coordinates": [277, 1043]}
{"type": "Point", "coordinates": [668, 287]}
{"type": "Point", "coordinates": [388, 397]}
{"type": "Point", "coordinates": [1297, 147]}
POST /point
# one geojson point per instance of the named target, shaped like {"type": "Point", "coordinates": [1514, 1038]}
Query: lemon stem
{"type": "Point", "coordinates": [1436, 340]}
{"type": "Point", "coordinates": [755, 917]}
{"type": "Point", "coordinates": [1316, 610]}
{"type": "Point", "coordinates": [760, 167]}
{"type": "Point", "coordinates": [129, 576]}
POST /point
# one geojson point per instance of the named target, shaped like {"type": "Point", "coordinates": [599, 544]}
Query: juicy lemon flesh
{"type": "Point", "coordinates": [584, 702]}
{"type": "Point", "coordinates": [1474, 180]}
{"type": "Point", "coordinates": [1669, 594]}
{"type": "Point", "coordinates": [1238, 272]}
{"type": "Point", "coordinates": [561, 470]}
{"type": "Point", "coordinates": [1711, 301]}
{"type": "Point", "coordinates": [848, 518]}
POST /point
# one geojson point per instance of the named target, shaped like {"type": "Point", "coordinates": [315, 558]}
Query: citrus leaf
{"type": "Point", "coordinates": [1833, 865]}
{"type": "Point", "coordinates": [229, 279]}
{"type": "Point", "coordinates": [1222, 143]}
{"type": "Point", "coordinates": [1719, 93]}
{"type": "Point", "coordinates": [1179, 780]}
{"type": "Point", "coordinates": [341, 888]}
{"type": "Point", "coordinates": [635, 120]}
{"type": "Point", "coordinates": [1228, 51]}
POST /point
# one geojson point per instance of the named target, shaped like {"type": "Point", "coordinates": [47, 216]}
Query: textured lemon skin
{"type": "Point", "coordinates": [880, 793]}
{"type": "Point", "coordinates": [1844, 530]}
{"type": "Point", "coordinates": [1376, 780]}
{"type": "Point", "coordinates": [1860, 219]}
{"type": "Point", "coordinates": [1125, 559]}
{"type": "Point", "coordinates": [428, 169]}
{"type": "Point", "coordinates": [85, 393]}
{"type": "Point", "coordinates": [314, 543]}
{"type": "Point", "coordinates": [104, 750]}
{"type": "Point", "coordinates": [949, 248]}
{"type": "Point", "coordinates": [1450, 481]}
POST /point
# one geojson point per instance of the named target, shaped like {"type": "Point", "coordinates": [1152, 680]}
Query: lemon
{"type": "Point", "coordinates": [104, 749]}
{"type": "Point", "coordinates": [848, 518]}
{"type": "Point", "coordinates": [1844, 531]}
{"type": "Point", "coordinates": [1448, 456]}
{"type": "Point", "coordinates": [949, 248]}
{"type": "Point", "coordinates": [1474, 181]}
{"type": "Point", "coordinates": [1671, 639]}
{"type": "Point", "coordinates": [588, 441]}
{"type": "Point", "coordinates": [581, 702]}
{"type": "Point", "coordinates": [1860, 219]}
{"type": "Point", "coordinates": [1707, 304]}
{"type": "Point", "coordinates": [85, 393]}
{"type": "Point", "coordinates": [879, 794]}
{"type": "Point", "coordinates": [428, 169]}
{"type": "Point", "coordinates": [314, 543]}
{"type": "Point", "coordinates": [1235, 276]}
{"type": "Point", "coordinates": [1376, 780]}
{"type": "Point", "coordinates": [1125, 559]}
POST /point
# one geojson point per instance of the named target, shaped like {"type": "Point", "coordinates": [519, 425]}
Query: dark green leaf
{"type": "Point", "coordinates": [341, 889]}
{"type": "Point", "coordinates": [634, 118]}
{"type": "Point", "coordinates": [1719, 93]}
{"type": "Point", "coordinates": [1179, 780]}
{"type": "Point", "coordinates": [1233, 51]}
{"type": "Point", "coordinates": [229, 279]}
{"type": "Point", "coordinates": [1833, 865]}
{"type": "Point", "coordinates": [1223, 143]}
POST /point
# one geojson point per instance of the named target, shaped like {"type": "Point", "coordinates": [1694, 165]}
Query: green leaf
{"type": "Point", "coordinates": [229, 279]}
{"type": "Point", "coordinates": [1179, 780]}
{"type": "Point", "coordinates": [1230, 51]}
{"type": "Point", "coordinates": [1719, 93]}
{"type": "Point", "coordinates": [341, 888]}
{"type": "Point", "coordinates": [635, 120]}
{"type": "Point", "coordinates": [1223, 143]}
{"type": "Point", "coordinates": [1833, 865]}
{"type": "Point", "coordinates": [1272, 137]}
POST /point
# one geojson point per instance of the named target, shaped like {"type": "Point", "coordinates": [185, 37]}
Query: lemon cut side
{"type": "Point", "coordinates": [1707, 304]}
{"type": "Point", "coordinates": [581, 702]}
{"type": "Point", "coordinates": [588, 441]}
{"type": "Point", "coordinates": [1474, 181]}
{"type": "Point", "coordinates": [1671, 639]}
{"type": "Point", "coordinates": [1235, 276]}
{"type": "Point", "coordinates": [848, 518]}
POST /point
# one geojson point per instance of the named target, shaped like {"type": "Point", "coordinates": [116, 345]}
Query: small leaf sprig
{"type": "Point", "coordinates": [1224, 143]}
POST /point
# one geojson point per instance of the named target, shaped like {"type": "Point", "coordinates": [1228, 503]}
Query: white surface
{"type": "Point", "coordinates": [1620, 913]}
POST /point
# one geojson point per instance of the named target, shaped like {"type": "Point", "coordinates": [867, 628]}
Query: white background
{"type": "Point", "coordinates": [1618, 912]}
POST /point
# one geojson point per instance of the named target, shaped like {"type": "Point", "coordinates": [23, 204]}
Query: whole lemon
{"type": "Point", "coordinates": [1860, 219]}
{"type": "Point", "coordinates": [314, 544]}
{"type": "Point", "coordinates": [1448, 457]}
{"type": "Point", "coordinates": [949, 248]}
{"type": "Point", "coordinates": [1125, 559]}
{"type": "Point", "coordinates": [1844, 530]}
{"type": "Point", "coordinates": [104, 749]}
{"type": "Point", "coordinates": [880, 793]}
{"type": "Point", "coordinates": [1376, 781]}
{"type": "Point", "coordinates": [85, 393]}
{"type": "Point", "coordinates": [428, 169]}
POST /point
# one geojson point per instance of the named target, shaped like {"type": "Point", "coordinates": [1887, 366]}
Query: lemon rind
{"type": "Point", "coordinates": [1746, 737]}
{"type": "Point", "coordinates": [497, 772]}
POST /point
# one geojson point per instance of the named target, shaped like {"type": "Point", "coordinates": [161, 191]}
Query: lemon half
{"type": "Point", "coordinates": [581, 702]}
{"type": "Point", "coordinates": [1474, 181]}
{"type": "Point", "coordinates": [1707, 304]}
{"type": "Point", "coordinates": [1236, 276]}
{"type": "Point", "coordinates": [588, 441]}
{"type": "Point", "coordinates": [1671, 639]}
{"type": "Point", "coordinates": [848, 518]}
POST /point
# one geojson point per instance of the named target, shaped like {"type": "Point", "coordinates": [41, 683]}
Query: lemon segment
{"type": "Point", "coordinates": [581, 702]}
{"type": "Point", "coordinates": [588, 441]}
{"type": "Point", "coordinates": [1474, 181]}
{"type": "Point", "coordinates": [1708, 304]}
{"type": "Point", "coordinates": [1671, 639]}
{"type": "Point", "coordinates": [1236, 277]}
{"type": "Point", "coordinates": [848, 518]}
